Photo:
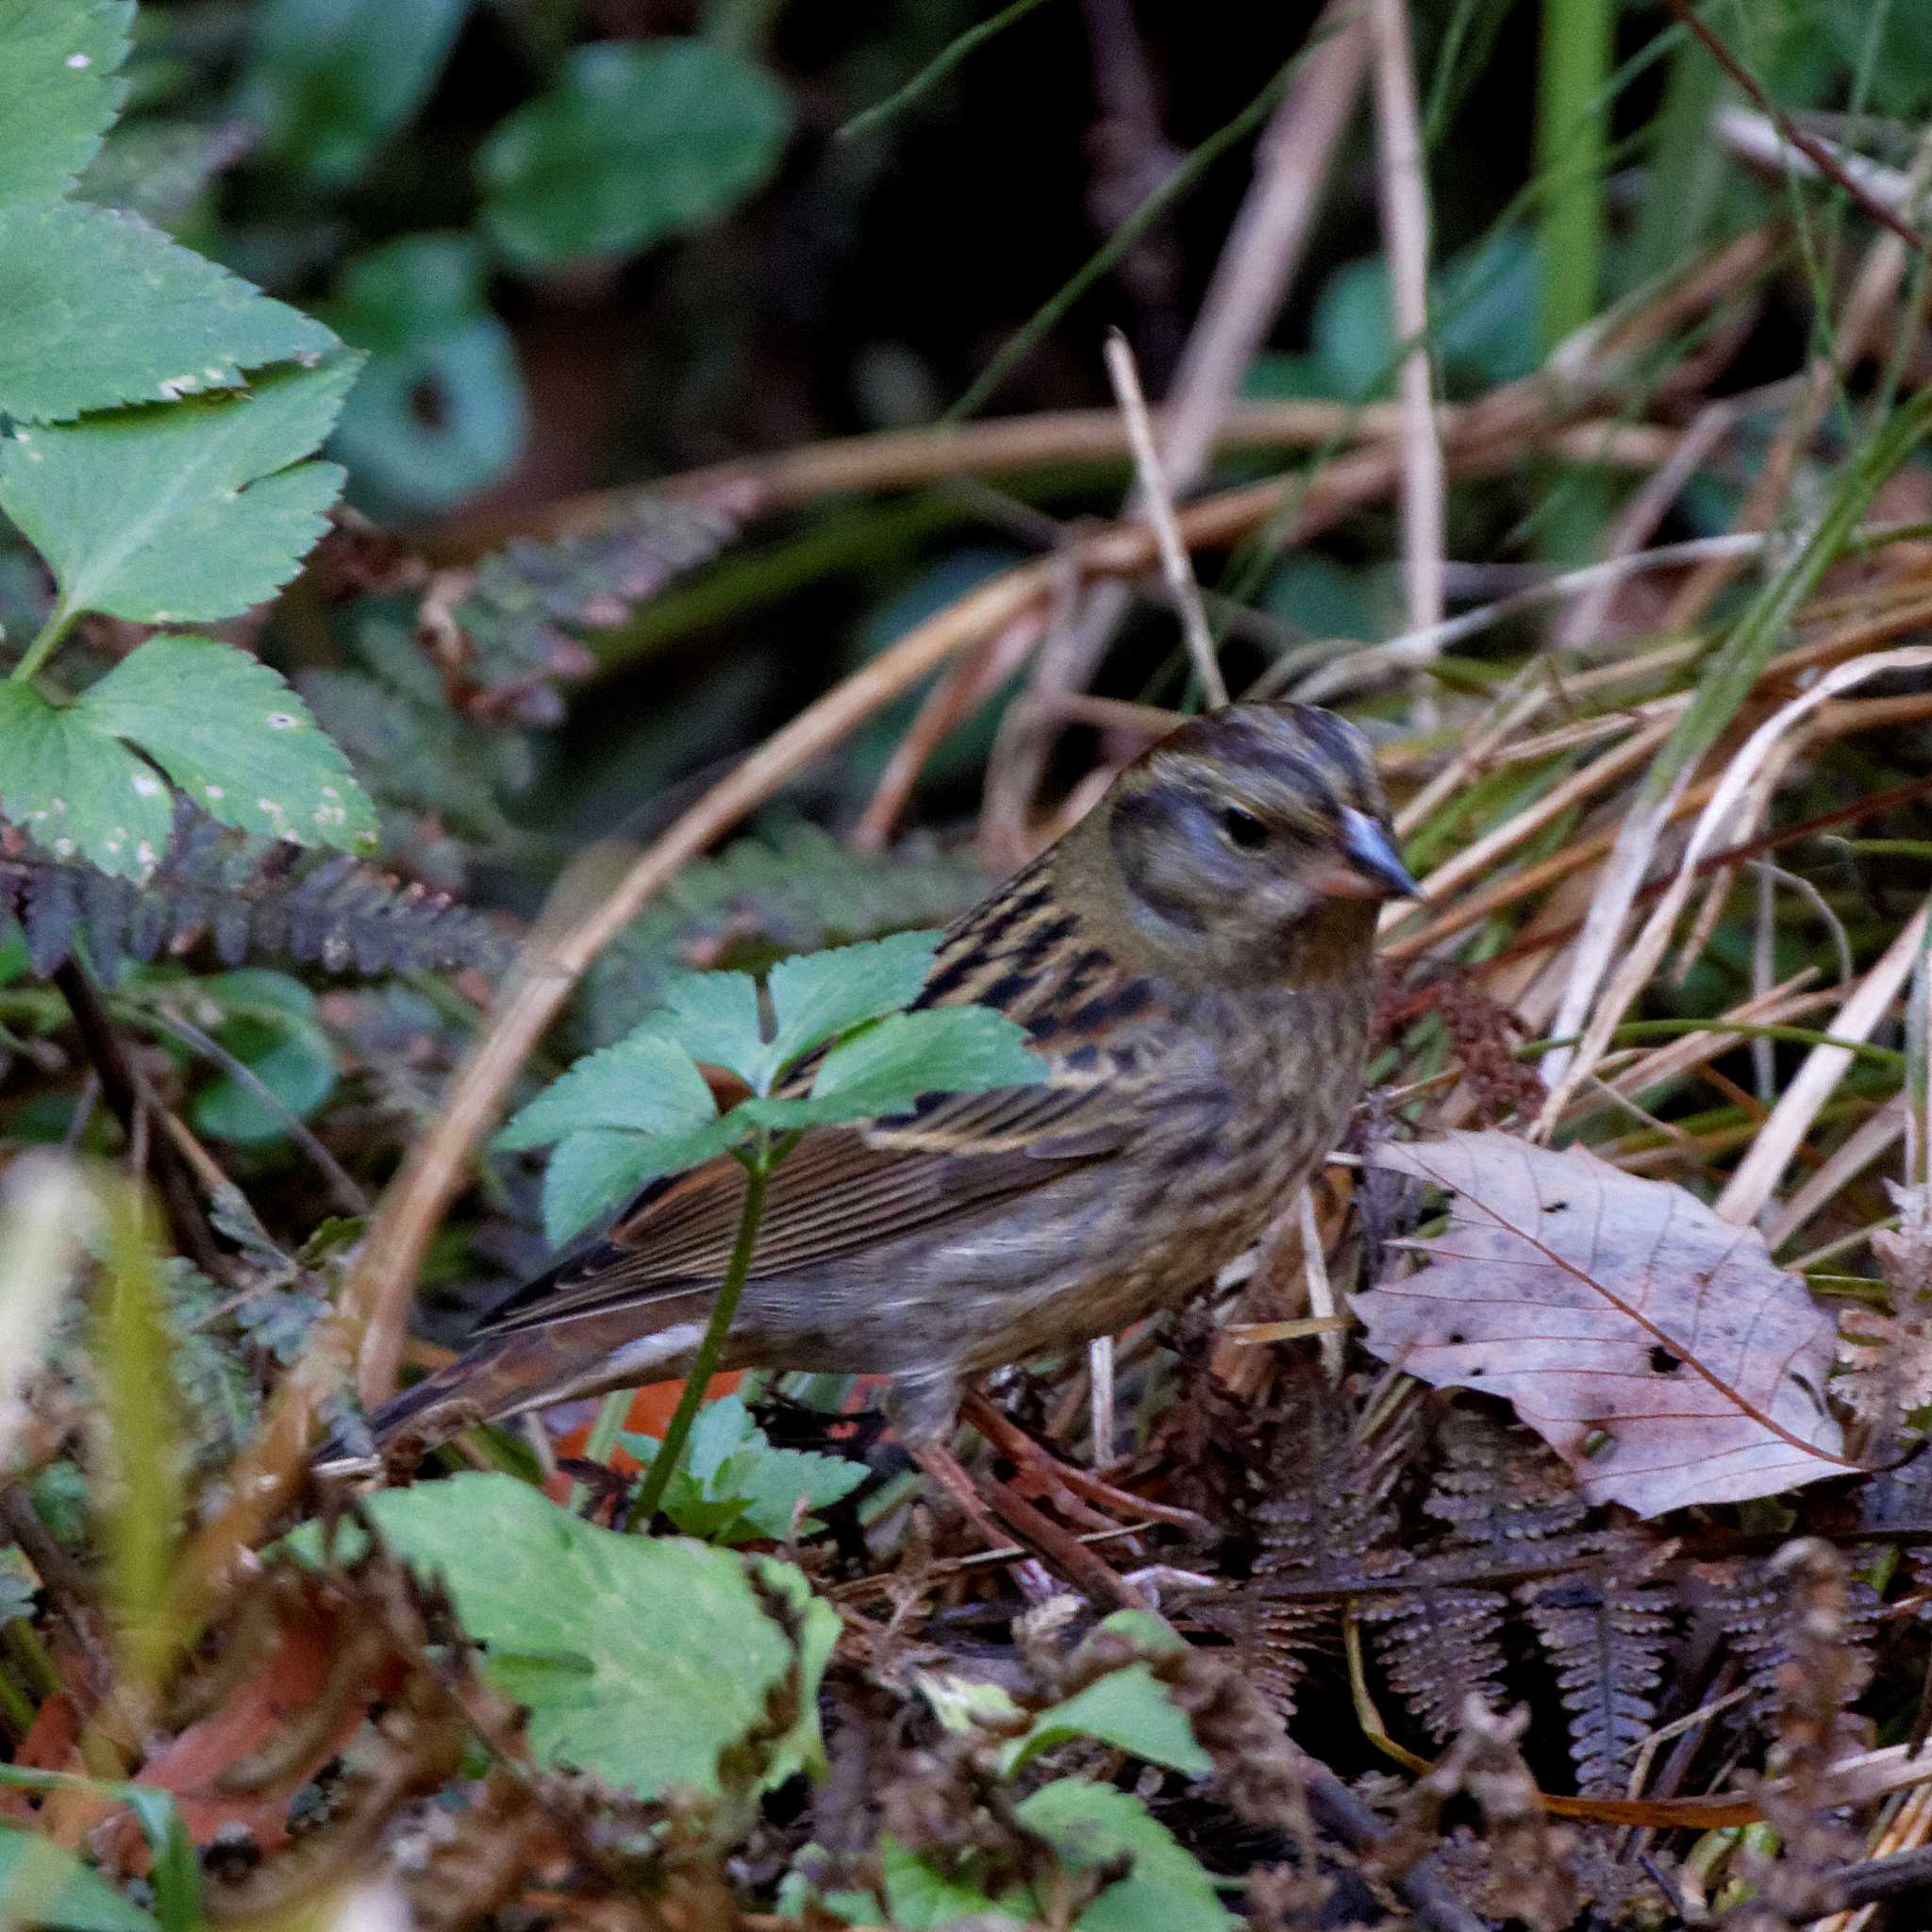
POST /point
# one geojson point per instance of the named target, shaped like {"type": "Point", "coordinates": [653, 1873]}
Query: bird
{"type": "Point", "coordinates": [1193, 959]}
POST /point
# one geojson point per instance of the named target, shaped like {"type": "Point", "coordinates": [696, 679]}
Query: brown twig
{"type": "Point", "coordinates": [129, 1100]}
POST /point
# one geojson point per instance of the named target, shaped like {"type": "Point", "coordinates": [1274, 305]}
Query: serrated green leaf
{"type": "Point", "coordinates": [181, 512]}
{"type": "Point", "coordinates": [59, 93]}
{"type": "Point", "coordinates": [646, 1084]}
{"type": "Point", "coordinates": [940, 1050]}
{"type": "Point", "coordinates": [632, 143]}
{"type": "Point", "coordinates": [735, 1483]}
{"type": "Point", "coordinates": [592, 1174]}
{"type": "Point", "coordinates": [714, 1018]}
{"type": "Point", "coordinates": [652, 1617]}
{"type": "Point", "coordinates": [229, 732]}
{"type": "Point", "coordinates": [817, 996]}
{"type": "Point", "coordinates": [76, 790]}
{"type": "Point", "coordinates": [330, 79]}
{"type": "Point", "coordinates": [44, 1884]}
{"type": "Point", "coordinates": [98, 309]}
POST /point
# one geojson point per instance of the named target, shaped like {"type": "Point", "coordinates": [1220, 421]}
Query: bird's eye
{"type": "Point", "coordinates": [1243, 830]}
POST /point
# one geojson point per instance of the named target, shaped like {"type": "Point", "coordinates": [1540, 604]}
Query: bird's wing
{"type": "Point", "coordinates": [845, 1189]}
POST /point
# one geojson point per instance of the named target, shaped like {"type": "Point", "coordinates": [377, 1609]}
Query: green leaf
{"type": "Point", "coordinates": [1128, 1708]}
{"type": "Point", "coordinates": [183, 512]}
{"type": "Point", "coordinates": [331, 79]}
{"type": "Point", "coordinates": [655, 1620]}
{"type": "Point", "coordinates": [714, 1018]}
{"type": "Point", "coordinates": [270, 1025]}
{"type": "Point", "coordinates": [97, 309]}
{"type": "Point", "coordinates": [646, 1084]}
{"type": "Point", "coordinates": [634, 142]}
{"type": "Point", "coordinates": [232, 735]}
{"type": "Point", "coordinates": [438, 411]}
{"type": "Point", "coordinates": [734, 1483]}
{"type": "Point", "coordinates": [44, 1884]}
{"type": "Point", "coordinates": [940, 1050]}
{"type": "Point", "coordinates": [75, 790]}
{"type": "Point", "coordinates": [594, 1173]}
{"type": "Point", "coordinates": [1089, 1825]}
{"type": "Point", "coordinates": [818, 996]}
{"type": "Point", "coordinates": [58, 91]}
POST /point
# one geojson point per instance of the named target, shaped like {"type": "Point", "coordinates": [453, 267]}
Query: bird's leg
{"type": "Point", "coordinates": [1073, 1490]}
{"type": "Point", "coordinates": [1059, 1545]}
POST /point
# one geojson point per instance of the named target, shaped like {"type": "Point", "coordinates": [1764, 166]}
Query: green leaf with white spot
{"type": "Point", "coordinates": [75, 790]}
{"type": "Point", "coordinates": [615, 1641]}
{"type": "Point", "coordinates": [817, 996]}
{"type": "Point", "coordinates": [59, 93]}
{"type": "Point", "coordinates": [181, 512]}
{"type": "Point", "coordinates": [236, 739]}
{"type": "Point", "coordinates": [97, 307]}
{"type": "Point", "coordinates": [635, 141]}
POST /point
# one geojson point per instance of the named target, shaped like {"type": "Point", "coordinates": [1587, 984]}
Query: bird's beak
{"type": "Point", "coordinates": [1375, 867]}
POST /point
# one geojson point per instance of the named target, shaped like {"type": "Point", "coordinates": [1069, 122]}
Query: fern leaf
{"type": "Point", "coordinates": [1602, 1630]}
{"type": "Point", "coordinates": [242, 897]}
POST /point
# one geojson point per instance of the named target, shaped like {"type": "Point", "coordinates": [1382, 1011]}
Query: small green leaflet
{"type": "Point", "coordinates": [735, 1484]}
{"type": "Point", "coordinates": [645, 1084]}
{"type": "Point", "coordinates": [98, 309]}
{"type": "Point", "coordinates": [640, 1109]}
{"type": "Point", "coordinates": [233, 736]}
{"type": "Point", "coordinates": [820, 995]}
{"type": "Point", "coordinates": [220, 723]}
{"type": "Point", "coordinates": [181, 512]}
{"type": "Point", "coordinates": [615, 1642]}
{"type": "Point", "coordinates": [75, 790]}
{"type": "Point", "coordinates": [59, 93]}
{"type": "Point", "coordinates": [633, 142]}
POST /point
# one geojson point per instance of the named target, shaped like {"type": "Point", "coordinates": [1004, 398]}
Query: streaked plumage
{"type": "Point", "coordinates": [1193, 959]}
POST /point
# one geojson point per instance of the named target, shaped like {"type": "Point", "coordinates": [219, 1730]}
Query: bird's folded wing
{"type": "Point", "coordinates": [841, 1190]}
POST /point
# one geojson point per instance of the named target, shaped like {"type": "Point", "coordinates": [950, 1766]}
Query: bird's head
{"type": "Point", "coordinates": [1248, 833]}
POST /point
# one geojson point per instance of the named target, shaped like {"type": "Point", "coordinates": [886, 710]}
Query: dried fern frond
{"type": "Point", "coordinates": [1603, 1627]}
{"type": "Point", "coordinates": [1505, 1499]}
{"type": "Point", "coordinates": [1329, 1528]}
{"type": "Point", "coordinates": [242, 897]}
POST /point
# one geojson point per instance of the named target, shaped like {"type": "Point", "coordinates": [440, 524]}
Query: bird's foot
{"type": "Point", "coordinates": [1082, 1495]}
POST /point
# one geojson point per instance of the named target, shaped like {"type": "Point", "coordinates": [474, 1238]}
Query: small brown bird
{"type": "Point", "coordinates": [1192, 960]}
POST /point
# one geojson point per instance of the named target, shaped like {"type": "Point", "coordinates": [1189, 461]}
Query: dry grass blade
{"type": "Point", "coordinates": [1655, 1348]}
{"type": "Point", "coordinates": [1746, 770]}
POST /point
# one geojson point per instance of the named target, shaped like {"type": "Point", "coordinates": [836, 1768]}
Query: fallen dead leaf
{"type": "Point", "coordinates": [1659, 1350]}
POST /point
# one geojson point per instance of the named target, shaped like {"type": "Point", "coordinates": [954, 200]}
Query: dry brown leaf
{"type": "Point", "coordinates": [1657, 1349]}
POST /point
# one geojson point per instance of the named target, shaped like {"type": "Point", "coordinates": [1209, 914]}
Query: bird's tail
{"type": "Point", "coordinates": [505, 1375]}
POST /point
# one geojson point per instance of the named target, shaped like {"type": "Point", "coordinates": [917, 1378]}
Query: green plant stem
{"type": "Point", "coordinates": [16, 1706]}
{"type": "Point", "coordinates": [1571, 145]}
{"type": "Point", "coordinates": [59, 621]}
{"type": "Point", "coordinates": [757, 1166]}
{"type": "Point", "coordinates": [935, 69]}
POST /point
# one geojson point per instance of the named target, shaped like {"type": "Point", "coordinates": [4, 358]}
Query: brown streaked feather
{"type": "Point", "coordinates": [845, 1189]}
